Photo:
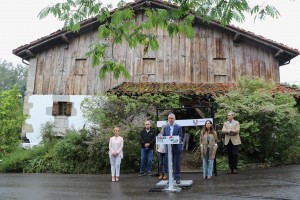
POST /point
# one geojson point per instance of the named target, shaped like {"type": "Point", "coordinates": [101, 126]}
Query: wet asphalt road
{"type": "Point", "coordinates": [271, 183]}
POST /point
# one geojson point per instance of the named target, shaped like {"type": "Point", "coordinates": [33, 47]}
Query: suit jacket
{"type": "Point", "coordinates": [235, 139]}
{"type": "Point", "coordinates": [177, 148]}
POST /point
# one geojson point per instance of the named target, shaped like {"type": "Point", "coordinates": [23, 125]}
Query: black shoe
{"type": "Point", "coordinates": [177, 181]}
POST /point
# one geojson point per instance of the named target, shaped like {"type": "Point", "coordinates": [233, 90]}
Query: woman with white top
{"type": "Point", "coordinates": [115, 154]}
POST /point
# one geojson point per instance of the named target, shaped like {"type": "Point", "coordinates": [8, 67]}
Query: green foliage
{"type": "Point", "coordinates": [222, 163]}
{"type": "Point", "coordinates": [70, 154]}
{"type": "Point", "coordinates": [97, 150]}
{"type": "Point", "coordinates": [48, 133]}
{"type": "Point", "coordinates": [12, 75]}
{"type": "Point", "coordinates": [132, 147]}
{"type": "Point", "coordinates": [295, 86]}
{"type": "Point", "coordinates": [73, 12]}
{"type": "Point", "coordinates": [269, 121]}
{"type": "Point", "coordinates": [119, 25]}
{"type": "Point", "coordinates": [294, 153]}
{"type": "Point", "coordinates": [11, 120]}
{"type": "Point", "coordinates": [97, 52]}
{"type": "Point", "coordinates": [115, 68]}
{"type": "Point", "coordinates": [23, 160]}
{"type": "Point", "coordinates": [111, 110]}
{"type": "Point", "coordinates": [16, 162]}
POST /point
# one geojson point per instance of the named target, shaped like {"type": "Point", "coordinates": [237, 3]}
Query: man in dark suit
{"type": "Point", "coordinates": [172, 129]}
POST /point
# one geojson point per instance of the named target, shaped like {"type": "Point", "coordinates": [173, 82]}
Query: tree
{"type": "Point", "coordinates": [270, 127]}
{"type": "Point", "coordinates": [11, 75]}
{"type": "Point", "coordinates": [120, 26]}
{"type": "Point", "coordinates": [11, 120]}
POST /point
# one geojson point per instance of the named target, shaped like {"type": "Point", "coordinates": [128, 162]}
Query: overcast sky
{"type": "Point", "coordinates": [20, 26]}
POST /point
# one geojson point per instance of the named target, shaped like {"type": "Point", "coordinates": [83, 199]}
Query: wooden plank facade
{"type": "Point", "coordinates": [216, 54]}
{"type": "Point", "coordinates": [211, 56]}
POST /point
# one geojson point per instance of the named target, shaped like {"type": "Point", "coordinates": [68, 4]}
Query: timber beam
{"type": "Point", "coordinates": [65, 38]}
{"type": "Point", "coordinates": [29, 53]}
{"type": "Point", "coordinates": [278, 53]}
{"type": "Point", "coordinates": [237, 39]}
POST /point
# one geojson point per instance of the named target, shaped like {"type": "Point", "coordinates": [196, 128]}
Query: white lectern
{"type": "Point", "coordinates": [169, 140]}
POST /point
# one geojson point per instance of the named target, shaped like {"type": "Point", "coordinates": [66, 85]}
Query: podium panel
{"type": "Point", "coordinates": [168, 139]}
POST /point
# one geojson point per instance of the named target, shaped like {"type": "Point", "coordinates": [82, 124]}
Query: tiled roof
{"type": "Point", "coordinates": [138, 88]}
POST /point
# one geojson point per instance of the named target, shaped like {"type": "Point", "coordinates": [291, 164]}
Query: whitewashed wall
{"type": "Point", "coordinates": [40, 112]}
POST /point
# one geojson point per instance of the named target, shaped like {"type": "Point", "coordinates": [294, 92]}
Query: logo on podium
{"type": "Point", "coordinates": [168, 139]}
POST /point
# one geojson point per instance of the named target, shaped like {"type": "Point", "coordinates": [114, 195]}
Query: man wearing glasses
{"type": "Point", "coordinates": [147, 140]}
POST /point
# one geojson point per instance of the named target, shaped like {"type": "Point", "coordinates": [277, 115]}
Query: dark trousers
{"type": "Point", "coordinates": [176, 165]}
{"type": "Point", "coordinates": [232, 151]}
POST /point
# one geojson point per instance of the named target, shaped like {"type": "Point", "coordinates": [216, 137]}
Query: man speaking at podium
{"type": "Point", "coordinates": [172, 129]}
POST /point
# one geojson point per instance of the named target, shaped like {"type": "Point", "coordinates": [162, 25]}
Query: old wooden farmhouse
{"type": "Point", "coordinates": [60, 75]}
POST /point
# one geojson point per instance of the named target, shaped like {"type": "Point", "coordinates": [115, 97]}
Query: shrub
{"type": "Point", "coordinates": [269, 120]}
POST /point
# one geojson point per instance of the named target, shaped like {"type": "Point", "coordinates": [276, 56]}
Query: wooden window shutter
{"type": "Point", "coordinates": [55, 108]}
{"type": "Point", "coordinates": [69, 109]}
{"type": "Point", "coordinates": [219, 49]}
{"type": "Point", "coordinates": [149, 66]}
{"type": "Point", "coordinates": [81, 66]}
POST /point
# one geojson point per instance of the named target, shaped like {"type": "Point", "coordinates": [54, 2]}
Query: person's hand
{"type": "Point", "coordinates": [147, 145]}
{"type": "Point", "coordinates": [228, 133]}
{"type": "Point", "coordinates": [215, 147]}
{"type": "Point", "coordinates": [201, 148]}
{"type": "Point", "coordinates": [233, 132]}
